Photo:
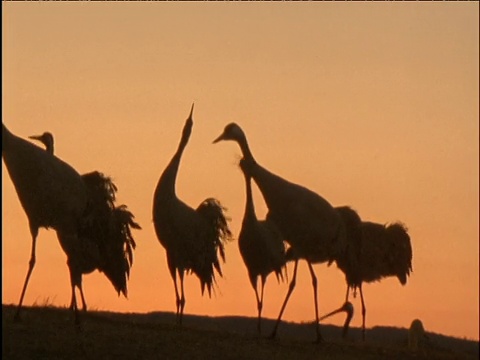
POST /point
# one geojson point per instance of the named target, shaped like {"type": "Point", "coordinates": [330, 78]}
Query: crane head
{"type": "Point", "coordinates": [46, 139]}
{"type": "Point", "coordinates": [187, 129]}
{"type": "Point", "coordinates": [190, 117]}
{"type": "Point", "coordinates": [231, 132]}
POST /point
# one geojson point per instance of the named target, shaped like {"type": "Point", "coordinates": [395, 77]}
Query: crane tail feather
{"type": "Point", "coordinates": [109, 228]}
{"type": "Point", "coordinates": [216, 234]}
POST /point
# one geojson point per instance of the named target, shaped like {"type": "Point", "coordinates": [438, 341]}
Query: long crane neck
{"type": "Point", "coordinates": [47, 141]}
{"type": "Point", "coordinates": [169, 176]}
{"type": "Point", "coordinates": [49, 147]}
{"type": "Point", "coordinates": [247, 154]}
{"type": "Point", "coordinates": [249, 207]}
{"type": "Point", "coordinates": [270, 185]}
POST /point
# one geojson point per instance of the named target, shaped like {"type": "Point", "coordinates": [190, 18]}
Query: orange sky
{"type": "Point", "coordinates": [374, 105]}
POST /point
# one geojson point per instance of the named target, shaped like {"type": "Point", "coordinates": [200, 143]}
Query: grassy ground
{"type": "Point", "coordinates": [49, 333]}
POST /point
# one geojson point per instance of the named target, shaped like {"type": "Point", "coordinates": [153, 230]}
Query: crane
{"type": "Point", "coordinates": [194, 239]}
{"type": "Point", "coordinates": [261, 246]}
{"type": "Point", "coordinates": [105, 231]}
{"type": "Point", "coordinates": [306, 220]}
{"type": "Point", "coordinates": [380, 251]}
{"type": "Point", "coordinates": [54, 195]}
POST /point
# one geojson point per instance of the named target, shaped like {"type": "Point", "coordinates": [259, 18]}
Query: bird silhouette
{"type": "Point", "coordinates": [54, 195]}
{"type": "Point", "coordinates": [105, 232]}
{"type": "Point", "coordinates": [417, 337]}
{"type": "Point", "coordinates": [380, 251]}
{"type": "Point", "coordinates": [261, 246]}
{"type": "Point", "coordinates": [307, 221]}
{"type": "Point", "coordinates": [194, 239]}
{"type": "Point", "coordinates": [50, 191]}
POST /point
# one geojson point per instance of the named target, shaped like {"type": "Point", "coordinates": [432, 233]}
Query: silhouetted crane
{"type": "Point", "coordinates": [106, 242]}
{"type": "Point", "coordinates": [193, 238]}
{"type": "Point", "coordinates": [417, 337]}
{"type": "Point", "coordinates": [50, 191]}
{"type": "Point", "coordinates": [261, 246]}
{"type": "Point", "coordinates": [54, 195]}
{"type": "Point", "coordinates": [381, 251]}
{"type": "Point", "coordinates": [307, 222]}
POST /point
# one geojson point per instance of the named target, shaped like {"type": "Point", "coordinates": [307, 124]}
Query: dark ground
{"type": "Point", "coordinates": [49, 333]}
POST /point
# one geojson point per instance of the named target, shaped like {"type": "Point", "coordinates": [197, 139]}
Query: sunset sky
{"type": "Point", "coordinates": [372, 105]}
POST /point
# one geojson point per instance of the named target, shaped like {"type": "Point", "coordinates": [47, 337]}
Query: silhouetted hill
{"type": "Point", "coordinates": [380, 335]}
{"type": "Point", "coordinates": [49, 333]}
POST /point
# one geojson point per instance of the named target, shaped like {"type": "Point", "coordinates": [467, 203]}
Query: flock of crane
{"type": "Point", "coordinates": [95, 233]}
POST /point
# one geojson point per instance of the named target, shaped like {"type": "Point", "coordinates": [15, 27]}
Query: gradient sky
{"type": "Point", "coordinates": [373, 105]}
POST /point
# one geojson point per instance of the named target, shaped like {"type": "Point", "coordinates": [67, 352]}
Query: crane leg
{"type": "Point", "coordinates": [182, 298]}
{"type": "Point", "coordinates": [84, 304]}
{"type": "Point", "coordinates": [73, 301]}
{"type": "Point", "coordinates": [73, 282]}
{"type": "Point", "coordinates": [315, 299]}
{"type": "Point", "coordinates": [257, 298]}
{"type": "Point", "coordinates": [260, 305]}
{"type": "Point", "coordinates": [364, 313]}
{"type": "Point", "coordinates": [349, 310]}
{"type": "Point", "coordinates": [290, 290]}
{"type": "Point", "coordinates": [74, 306]}
{"type": "Point", "coordinates": [177, 297]}
{"type": "Point", "coordinates": [31, 265]}
{"type": "Point", "coordinates": [259, 302]}
{"type": "Point", "coordinates": [173, 274]}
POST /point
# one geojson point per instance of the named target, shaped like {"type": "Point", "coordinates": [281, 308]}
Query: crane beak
{"type": "Point", "coordinates": [220, 138]}
{"type": "Point", "coordinates": [191, 111]}
{"type": "Point", "coordinates": [36, 137]}
{"type": "Point", "coordinates": [347, 307]}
